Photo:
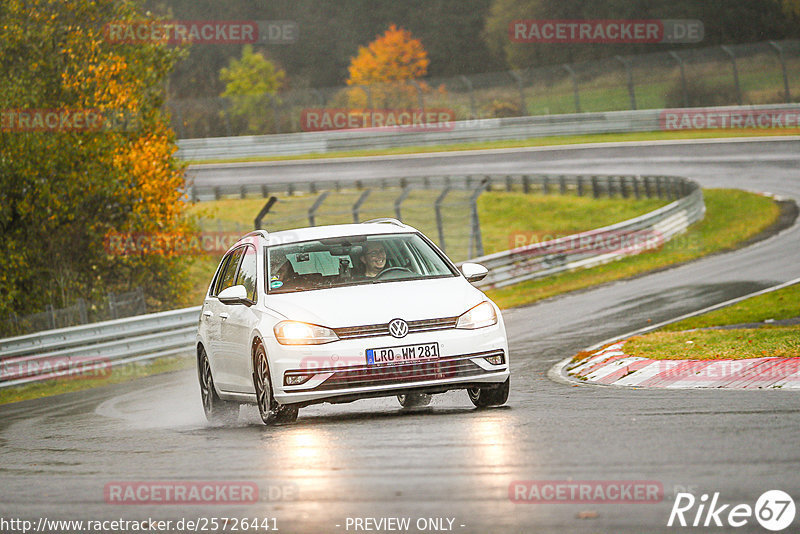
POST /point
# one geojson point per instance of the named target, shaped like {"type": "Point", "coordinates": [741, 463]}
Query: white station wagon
{"type": "Point", "coordinates": [345, 312]}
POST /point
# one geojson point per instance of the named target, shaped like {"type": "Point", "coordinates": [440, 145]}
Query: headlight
{"type": "Point", "coordinates": [477, 317]}
{"type": "Point", "coordinates": [297, 333]}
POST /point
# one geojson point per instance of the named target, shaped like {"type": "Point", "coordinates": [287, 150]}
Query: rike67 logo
{"type": "Point", "coordinates": [774, 510]}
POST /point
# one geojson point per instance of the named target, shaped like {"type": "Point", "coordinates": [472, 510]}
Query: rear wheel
{"type": "Point", "coordinates": [483, 397]}
{"type": "Point", "coordinates": [271, 412]}
{"type": "Point", "coordinates": [412, 400]}
{"type": "Point", "coordinates": [217, 410]}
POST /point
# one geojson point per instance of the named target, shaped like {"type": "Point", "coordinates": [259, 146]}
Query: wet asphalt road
{"type": "Point", "coordinates": [370, 459]}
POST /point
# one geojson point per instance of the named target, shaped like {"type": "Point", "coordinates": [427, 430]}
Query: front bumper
{"type": "Point", "coordinates": [339, 370]}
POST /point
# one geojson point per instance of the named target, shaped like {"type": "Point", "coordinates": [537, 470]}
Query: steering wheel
{"type": "Point", "coordinates": [392, 269]}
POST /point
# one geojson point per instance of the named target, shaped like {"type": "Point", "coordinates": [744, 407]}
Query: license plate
{"type": "Point", "coordinates": [403, 354]}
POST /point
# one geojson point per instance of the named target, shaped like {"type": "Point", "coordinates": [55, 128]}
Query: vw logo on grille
{"type": "Point", "coordinates": [398, 328]}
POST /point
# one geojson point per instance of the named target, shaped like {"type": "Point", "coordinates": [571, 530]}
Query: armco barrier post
{"type": "Point", "coordinates": [470, 90]}
{"type": "Point", "coordinates": [521, 88]}
{"type": "Point", "coordinates": [562, 185]}
{"type": "Point", "coordinates": [475, 233]}
{"type": "Point", "coordinates": [546, 185]}
{"type": "Point", "coordinates": [678, 58]}
{"type": "Point", "coordinates": [580, 186]}
{"type": "Point", "coordinates": [263, 212]}
{"type": "Point", "coordinates": [438, 209]}
{"type": "Point", "coordinates": [399, 201]}
{"type": "Point", "coordinates": [626, 62]}
{"type": "Point", "coordinates": [574, 77]}
{"type": "Point", "coordinates": [779, 49]}
{"type": "Point", "coordinates": [595, 187]}
{"type": "Point", "coordinates": [312, 211]}
{"type": "Point", "coordinates": [637, 193]}
{"type": "Point", "coordinates": [359, 202]}
{"type": "Point", "coordinates": [730, 53]}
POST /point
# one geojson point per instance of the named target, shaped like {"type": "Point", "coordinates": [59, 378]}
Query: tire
{"type": "Point", "coordinates": [218, 411]}
{"type": "Point", "coordinates": [414, 400]}
{"type": "Point", "coordinates": [483, 397]}
{"type": "Point", "coordinates": [271, 412]}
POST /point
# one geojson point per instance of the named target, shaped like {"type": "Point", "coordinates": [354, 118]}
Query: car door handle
{"type": "Point", "coordinates": [207, 313]}
{"type": "Point", "coordinates": [223, 316]}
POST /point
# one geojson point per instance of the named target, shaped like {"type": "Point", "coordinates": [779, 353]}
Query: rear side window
{"type": "Point", "coordinates": [227, 273]}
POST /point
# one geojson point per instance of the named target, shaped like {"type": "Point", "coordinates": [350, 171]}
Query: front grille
{"type": "Point", "coordinates": [372, 330]}
{"type": "Point", "coordinates": [381, 375]}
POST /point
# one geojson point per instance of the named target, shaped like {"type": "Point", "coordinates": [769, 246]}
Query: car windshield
{"type": "Point", "coordinates": [353, 260]}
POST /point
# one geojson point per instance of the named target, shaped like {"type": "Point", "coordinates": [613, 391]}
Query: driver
{"type": "Point", "coordinates": [373, 258]}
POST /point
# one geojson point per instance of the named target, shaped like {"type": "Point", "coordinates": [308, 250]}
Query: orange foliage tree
{"type": "Point", "coordinates": [64, 190]}
{"type": "Point", "coordinates": [384, 70]}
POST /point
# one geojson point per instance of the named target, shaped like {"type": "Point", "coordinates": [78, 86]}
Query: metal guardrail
{"type": "Point", "coordinates": [603, 245]}
{"type": "Point", "coordinates": [55, 353]}
{"type": "Point", "coordinates": [463, 132]}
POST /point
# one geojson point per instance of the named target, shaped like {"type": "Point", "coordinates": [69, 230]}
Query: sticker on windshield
{"type": "Point", "coordinates": [275, 284]}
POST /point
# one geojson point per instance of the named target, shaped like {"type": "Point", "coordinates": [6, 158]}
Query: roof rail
{"type": "Point", "coordinates": [259, 233]}
{"type": "Point", "coordinates": [385, 220]}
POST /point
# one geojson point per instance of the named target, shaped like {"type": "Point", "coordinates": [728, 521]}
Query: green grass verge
{"type": "Point", "coordinates": [522, 143]}
{"type": "Point", "coordinates": [123, 373]}
{"type": "Point", "coordinates": [742, 343]}
{"type": "Point", "coordinates": [732, 217]}
{"type": "Point", "coordinates": [677, 342]}
{"type": "Point", "coordinates": [781, 304]}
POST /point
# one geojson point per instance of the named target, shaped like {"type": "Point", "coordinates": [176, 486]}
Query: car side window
{"type": "Point", "coordinates": [228, 274]}
{"type": "Point", "coordinates": [247, 273]}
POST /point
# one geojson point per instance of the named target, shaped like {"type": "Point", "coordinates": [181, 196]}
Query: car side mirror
{"type": "Point", "coordinates": [234, 295]}
{"type": "Point", "coordinates": [474, 272]}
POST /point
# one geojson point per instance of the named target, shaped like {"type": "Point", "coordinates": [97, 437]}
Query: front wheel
{"type": "Point", "coordinates": [483, 397]}
{"type": "Point", "coordinates": [414, 400]}
{"type": "Point", "coordinates": [271, 412]}
{"type": "Point", "coordinates": [217, 410]}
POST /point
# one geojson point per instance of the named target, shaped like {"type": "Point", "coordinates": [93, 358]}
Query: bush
{"type": "Point", "coordinates": [504, 108]}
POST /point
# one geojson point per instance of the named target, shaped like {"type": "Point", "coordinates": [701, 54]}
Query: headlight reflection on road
{"type": "Point", "coordinates": [491, 440]}
{"type": "Point", "coordinates": [306, 457]}
{"type": "Point", "coordinates": [496, 455]}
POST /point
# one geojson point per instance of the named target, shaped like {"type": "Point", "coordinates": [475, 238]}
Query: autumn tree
{"type": "Point", "coordinates": [250, 84]}
{"type": "Point", "coordinates": [384, 72]}
{"type": "Point", "coordinates": [65, 188]}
